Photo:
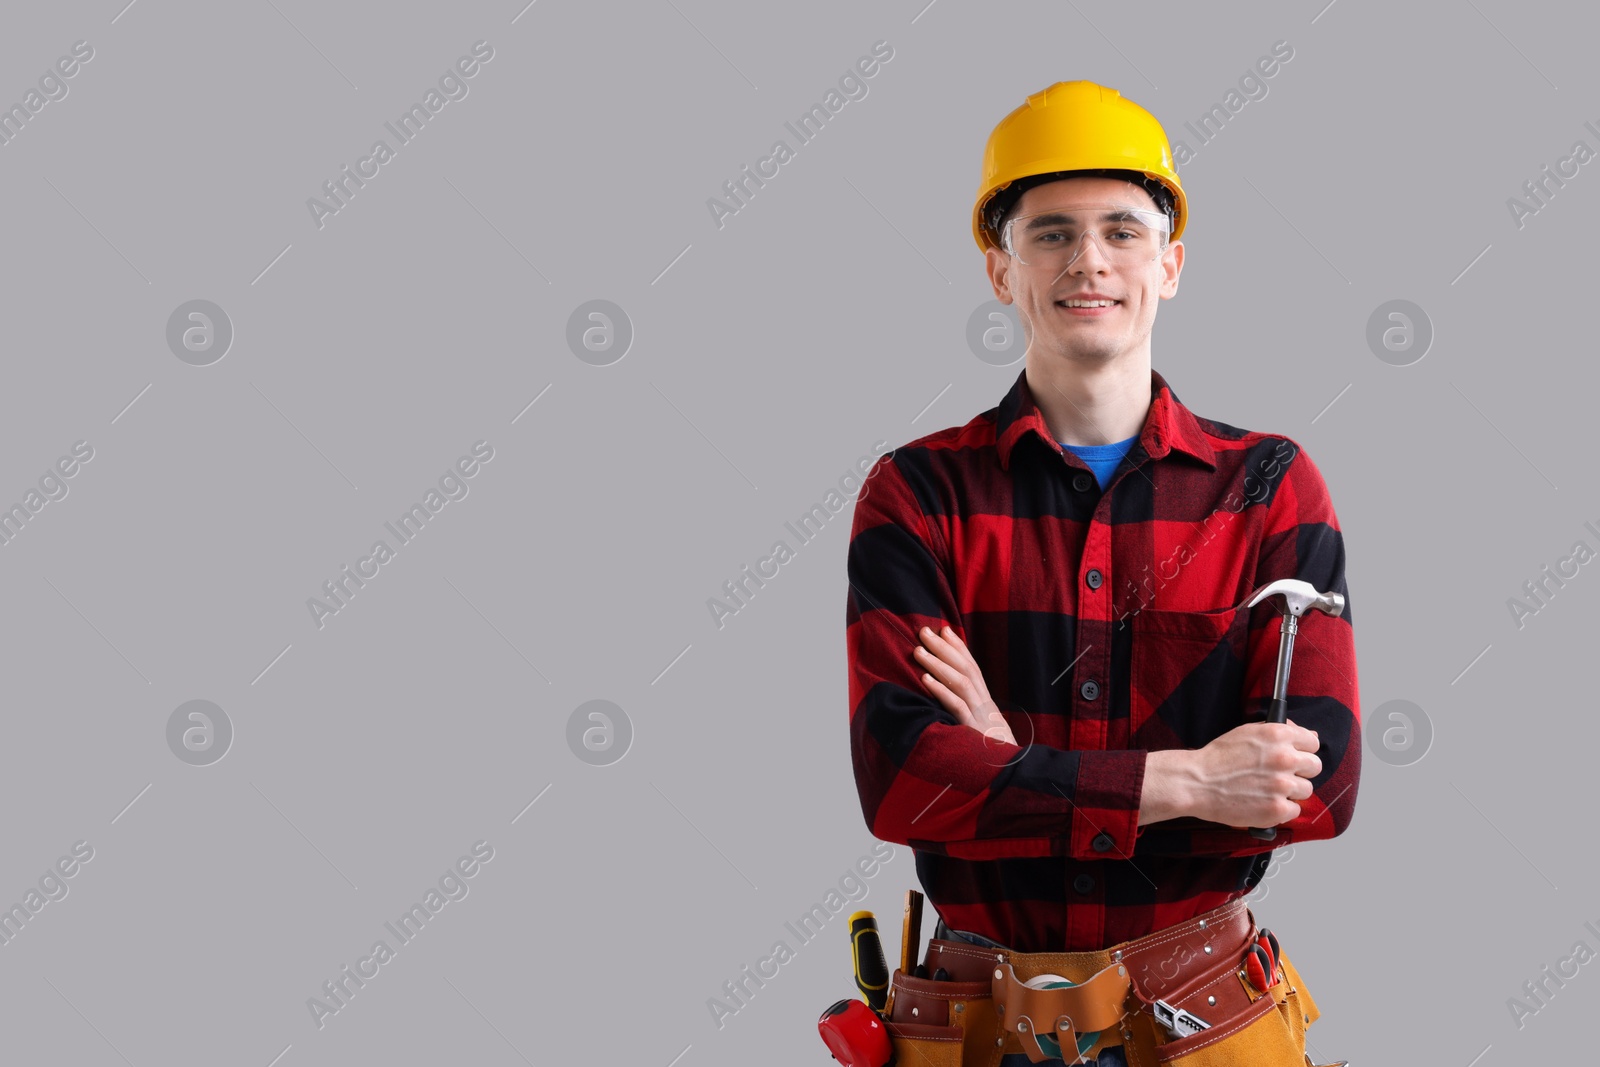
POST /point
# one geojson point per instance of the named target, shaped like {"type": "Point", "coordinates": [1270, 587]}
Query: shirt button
{"type": "Point", "coordinates": [1081, 482]}
{"type": "Point", "coordinates": [1089, 689]}
{"type": "Point", "coordinates": [1083, 883]}
{"type": "Point", "coordinates": [1093, 578]}
{"type": "Point", "coordinates": [1101, 843]}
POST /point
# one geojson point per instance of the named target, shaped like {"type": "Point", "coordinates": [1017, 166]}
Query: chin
{"type": "Point", "coordinates": [1087, 350]}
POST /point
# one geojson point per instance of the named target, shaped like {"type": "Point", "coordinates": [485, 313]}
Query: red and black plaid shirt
{"type": "Point", "coordinates": [1106, 625]}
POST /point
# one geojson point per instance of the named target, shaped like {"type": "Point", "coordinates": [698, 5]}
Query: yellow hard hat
{"type": "Point", "coordinates": [1075, 126]}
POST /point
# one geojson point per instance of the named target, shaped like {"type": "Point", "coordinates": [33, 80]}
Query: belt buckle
{"type": "Point", "coordinates": [1179, 1023]}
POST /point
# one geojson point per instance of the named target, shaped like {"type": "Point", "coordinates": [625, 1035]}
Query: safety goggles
{"type": "Point", "coordinates": [1124, 236]}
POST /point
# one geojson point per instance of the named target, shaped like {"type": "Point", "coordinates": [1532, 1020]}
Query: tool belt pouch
{"type": "Point", "coordinates": [991, 1012]}
{"type": "Point", "coordinates": [973, 1023]}
{"type": "Point", "coordinates": [940, 1024]}
{"type": "Point", "coordinates": [1270, 1030]}
{"type": "Point", "coordinates": [1064, 1014]}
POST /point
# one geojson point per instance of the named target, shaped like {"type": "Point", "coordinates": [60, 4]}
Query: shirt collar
{"type": "Point", "coordinates": [1168, 426]}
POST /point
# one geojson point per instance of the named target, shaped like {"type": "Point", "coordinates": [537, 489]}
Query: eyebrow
{"type": "Point", "coordinates": [1056, 218]}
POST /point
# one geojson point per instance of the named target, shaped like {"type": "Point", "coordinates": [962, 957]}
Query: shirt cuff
{"type": "Point", "coordinates": [1105, 812]}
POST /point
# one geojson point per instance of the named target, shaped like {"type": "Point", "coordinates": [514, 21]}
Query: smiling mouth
{"type": "Point", "coordinates": [1088, 307]}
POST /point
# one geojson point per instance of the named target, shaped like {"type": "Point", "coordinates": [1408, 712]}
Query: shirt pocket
{"type": "Point", "coordinates": [1187, 675]}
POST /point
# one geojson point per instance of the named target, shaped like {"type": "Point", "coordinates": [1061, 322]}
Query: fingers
{"type": "Point", "coordinates": [953, 678]}
{"type": "Point", "coordinates": [1306, 745]}
{"type": "Point", "coordinates": [950, 675]}
{"type": "Point", "coordinates": [1304, 739]}
{"type": "Point", "coordinates": [991, 724]}
{"type": "Point", "coordinates": [951, 651]}
{"type": "Point", "coordinates": [952, 703]}
{"type": "Point", "coordinates": [952, 664]}
{"type": "Point", "coordinates": [946, 645]}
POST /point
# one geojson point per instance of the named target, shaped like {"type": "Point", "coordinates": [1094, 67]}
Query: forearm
{"type": "Point", "coordinates": [1200, 797]}
{"type": "Point", "coordinates": [1169, 785]}
{"type": "Point", "coordinates": [934, 785]}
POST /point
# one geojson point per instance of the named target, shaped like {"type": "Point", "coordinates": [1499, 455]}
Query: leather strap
{"type": "Point", "coordinates": [1097, 1004]}
{"type": "Point", "coordinates": [1192, 965]}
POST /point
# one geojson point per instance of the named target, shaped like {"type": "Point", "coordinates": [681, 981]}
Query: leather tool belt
{"type": "Point", "coordinates": [1193, 970]}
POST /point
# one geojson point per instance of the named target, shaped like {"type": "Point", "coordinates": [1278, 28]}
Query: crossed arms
{"type": "Point", "coordinates": [937, 765]}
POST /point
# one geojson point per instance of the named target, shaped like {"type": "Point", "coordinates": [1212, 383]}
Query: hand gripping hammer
{"type": "Point", "coordinates": [1297, 597]}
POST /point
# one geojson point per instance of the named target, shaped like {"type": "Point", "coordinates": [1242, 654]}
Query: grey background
{"type": "Point", "coordinates": [770, 355]}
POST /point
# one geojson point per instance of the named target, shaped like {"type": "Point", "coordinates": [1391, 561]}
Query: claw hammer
{"type": "Point", "coordinates": [1297, 596]}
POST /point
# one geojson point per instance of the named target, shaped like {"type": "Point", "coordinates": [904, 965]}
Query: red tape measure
{"type": "Point", "coordinates": [855, 1034]}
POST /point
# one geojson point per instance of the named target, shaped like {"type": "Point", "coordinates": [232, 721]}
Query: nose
{"type": "Point", "coordinates": [1087, 258]}
{"type": "Point", "coordinates": [1090, 257]}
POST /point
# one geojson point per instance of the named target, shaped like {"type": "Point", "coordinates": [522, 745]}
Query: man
{"type": "Point", "coordinates": [1052, 681]}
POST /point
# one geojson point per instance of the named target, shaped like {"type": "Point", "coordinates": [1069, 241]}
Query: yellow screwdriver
{"type": "Point", "coordinates": [866, 950]}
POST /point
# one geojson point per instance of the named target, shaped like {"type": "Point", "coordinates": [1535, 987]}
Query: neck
{"type": "Point", "coordinates": [1091, 403]}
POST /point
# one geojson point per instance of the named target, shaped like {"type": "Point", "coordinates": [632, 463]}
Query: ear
{"type": "Point", "coordinates": [1171, 267]}
{"type": "Point", "coordinates": [998, 264]}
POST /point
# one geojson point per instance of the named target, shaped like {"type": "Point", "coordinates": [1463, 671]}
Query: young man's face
{"type": "Point", "coordinates": [1098, 336]}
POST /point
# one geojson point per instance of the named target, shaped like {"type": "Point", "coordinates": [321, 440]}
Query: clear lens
{"type": "Point", "coordinates": [1124, 235]}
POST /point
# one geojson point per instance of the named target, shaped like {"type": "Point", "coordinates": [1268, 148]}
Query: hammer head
{"type": "Point", "coordinates": [1297, 597]}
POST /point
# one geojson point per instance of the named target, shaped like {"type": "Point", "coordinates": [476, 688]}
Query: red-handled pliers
{"type": "Point", "coordinates": [1261, 962]}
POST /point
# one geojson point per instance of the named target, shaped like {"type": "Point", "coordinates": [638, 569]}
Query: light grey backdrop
{"type": "Point", "coordinates": [434, 710]}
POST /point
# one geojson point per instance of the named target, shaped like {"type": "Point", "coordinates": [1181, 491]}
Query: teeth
{"type": "Point", "coordinates": [1088, 303]}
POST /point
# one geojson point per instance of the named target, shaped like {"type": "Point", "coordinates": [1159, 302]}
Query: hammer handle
{"type": "Point", "coordinates": [1277, 711]}
{"type": "Point", "coordinates": [1278, 707]}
